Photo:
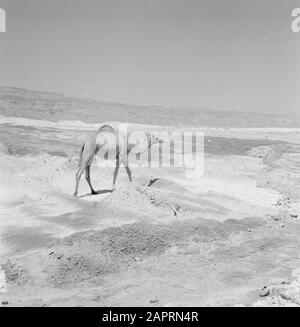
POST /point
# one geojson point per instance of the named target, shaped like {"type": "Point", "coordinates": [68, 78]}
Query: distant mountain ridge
{"type": "Point", "coordinates": [18, 102]}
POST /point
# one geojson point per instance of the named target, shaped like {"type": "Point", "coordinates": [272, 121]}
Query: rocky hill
{"type": "Point", "coordinates": [16, 102]}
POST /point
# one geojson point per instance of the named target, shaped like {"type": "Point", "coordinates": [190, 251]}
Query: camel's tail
{"type": "Point", "coordinates": [80, 154]}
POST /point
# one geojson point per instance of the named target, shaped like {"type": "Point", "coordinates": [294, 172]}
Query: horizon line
{"type": "Point", "coordinates": [154, 106]}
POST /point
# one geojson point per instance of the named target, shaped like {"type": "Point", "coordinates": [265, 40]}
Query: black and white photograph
{"type": "Point", "coordinates": [149, 154]}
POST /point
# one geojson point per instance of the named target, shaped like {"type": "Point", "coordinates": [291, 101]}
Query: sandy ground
{"type": "Point", "coordinates": [166, 239]}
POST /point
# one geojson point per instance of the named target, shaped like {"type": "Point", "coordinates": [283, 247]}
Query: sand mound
{"type": "Point", "coordinates": [88, 254]}
{"type": "Point", "coordinates": [145, 200]}
{"type": "Point", "coordinates": [281, 180]}
{"type": "Point", "coordinates": [94, 254]}
{"type": "Point", "coordinates": [265, 152]}
{"type": "Point", "coordinates": [282, 171]}
{"type": "Point", "coordinates": [168, 185]}
{"type": "Point", "coordinates": [144, 180]}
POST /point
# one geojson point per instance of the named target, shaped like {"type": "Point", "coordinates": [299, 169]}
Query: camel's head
{"type": "Point", "coordinates": [143, 143]}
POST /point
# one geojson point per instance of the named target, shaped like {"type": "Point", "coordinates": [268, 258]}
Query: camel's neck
{"type": "Point", "coordinates": [149, 140]}
{"type": "Point", "coordinates": [145, 145]}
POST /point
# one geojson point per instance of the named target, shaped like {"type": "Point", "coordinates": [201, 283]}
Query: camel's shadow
{"type": "Point", "coordinates": [97, 193]}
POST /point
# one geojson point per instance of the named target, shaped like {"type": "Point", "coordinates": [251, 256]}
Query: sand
{"type": "Point", "coordinates": [214, 239]}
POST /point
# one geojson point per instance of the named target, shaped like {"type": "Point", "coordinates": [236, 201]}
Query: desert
{"type": "Point", "coordinates": [229, 237]}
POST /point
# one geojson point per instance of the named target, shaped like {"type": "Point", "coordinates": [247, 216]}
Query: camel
{"type": "Point", "coordinates": [108, 138]}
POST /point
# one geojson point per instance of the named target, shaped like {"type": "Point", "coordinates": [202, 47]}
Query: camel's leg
{"type": "Point", "coordinates": [78, 176]}
{"type": "Point", "coordinates": [128, 173]}
{"type": "Point", "coordinates": [88, 179]}
{"type": "Point", "coordinates": [116, 174]}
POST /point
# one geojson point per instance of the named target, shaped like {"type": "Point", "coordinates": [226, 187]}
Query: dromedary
{"type": "Point", "coordinates": [111, 140]}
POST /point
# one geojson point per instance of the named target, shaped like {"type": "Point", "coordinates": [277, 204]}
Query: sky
{"type": "Point", "coordinates": [221, 55]}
